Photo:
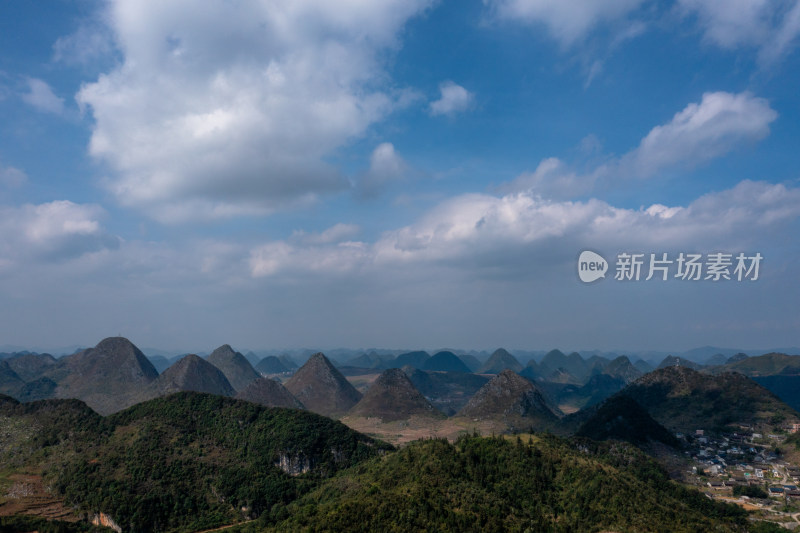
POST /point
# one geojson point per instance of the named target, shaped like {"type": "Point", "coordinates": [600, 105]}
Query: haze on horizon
{"type": "Point", "coordinates": [395, 174]}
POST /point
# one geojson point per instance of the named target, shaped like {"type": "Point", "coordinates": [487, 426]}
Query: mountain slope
{"type": "Point", "coordinates": [415, 359]}
{"type": "Point", "coordinates": [187, 462]}
{"type": "Point", "coordinates": [500, 360]}
{"type": "Point", "coordinates": [447, 391]}
{"type": "Point", "coordinates": [30, 367]}
{"type": "Point", "coordinates": [191, 373]}
{"type": "Point", "coordinates": [573, 364]}
{"type": "Point", "coordinates": [237, 369]}
{"type": "Point", "coordinates": [512, 398]}
{"type": "Point", "coordinates": [672, 360]}
{"type": "Point", "coordinates": [10, 382]}
{"type": "Point", "coordinates": [492, 484]}
{"type": "Point", "coordinates": [621, 418]}
{"type": "Point", "coordinates": [106, 377]}
{"type": "Point", "coordinates": [445, 362]}
{"type": "Point", "coordinates": [269, 393]}
{"type": "Point", "coordinates": [472, 362]}
{"type": "Point", "coordinates": [322, 388]}
{"type": "Point", "coordinates": [683, 399]}
{"type": "Point", "coordinates": [622, 368]}
{"type": "Point", "coordinates": [393, 397]}
{"type": "Point", "coordinates": [271, 365]}
{"type": "Point", "coordinates": [770, 364]}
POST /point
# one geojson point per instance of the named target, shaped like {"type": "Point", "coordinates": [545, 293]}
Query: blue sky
{"type": "Point", "coordinates": [395, 173]}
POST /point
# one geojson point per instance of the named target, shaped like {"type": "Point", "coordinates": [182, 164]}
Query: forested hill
{"type": "Point", "coordinates": [493, 484]}
{"type": "Point", "coordinates": [184, 462]}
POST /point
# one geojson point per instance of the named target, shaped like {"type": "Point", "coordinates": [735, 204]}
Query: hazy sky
{"type": "Point", "coordinates": [396, 173]}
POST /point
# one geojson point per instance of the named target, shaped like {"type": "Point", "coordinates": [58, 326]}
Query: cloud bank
{"type": "Point", "coordinates": [217, 112]}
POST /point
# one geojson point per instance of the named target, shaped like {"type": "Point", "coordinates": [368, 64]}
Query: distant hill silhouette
{"type": "Point", "coordinates": [672, 360]}
{"type": "Point", "coordinates": [598, 388]}
{"type": "Point", "coordinates": [447, 391]}
{"type": "Point", "coordinates": [536, 371]}
{"type": "Point", "coordinates": [321, 388]}
{"type": "Point", "coordinates": [160, 363]}
{"type": "Point", "coordinates": [445, 362]}
{"type": "Point", "coordinates": [393, 397]}
{"type": "Point", "coordinates": [472, 362]}
{"type": "Point", "coordinates": [500, 360]}
{"type": "Point", "coordinates": [10, 382]}
{"type": "Point", "coordinates": [735, 358]}
{"type": "Point", "coordinates": [37, 389]}
{"type": "Point", "coordinates": [716, 360]}
{"type": "Point", "coordinates": [369, 360]}
{"type": "Point", "coordinates": [414, 359]}
{"type": "Point", "coordinates": [237, 369]}
{"type": "Point", "coordinates": [270, 393]}
{"type": "Point", "coordinates": [271, 365]}
{"type": "Point", "coordinates": [573, 364]}
{"type": "Point", "coordinates": [622, 368]}
{"type": "Point", "coordinates": [31, 366]}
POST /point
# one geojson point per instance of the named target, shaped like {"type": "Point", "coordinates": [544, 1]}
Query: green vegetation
{"type": "Point", "coordinates": [621, 418]}
{"type": "Point", "coordinates": [185, 462]}
{"type": "Point", "coordinates": [494, 484]}
{"type": "Point", "coordinates": [15, 524]}
{"type": "Point", "coordinates": [750, 491]}
{"type": "Point", "coordinates": [683, 399]}
{"type": "Point", "coordinates": [194, 461]}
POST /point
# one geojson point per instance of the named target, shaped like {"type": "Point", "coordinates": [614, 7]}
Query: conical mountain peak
{"type": "Point", "coordinates": [237, 369]}
{"type": "Point", "coordinates": [322, 388]}
{"type": "Point", "coordinates": [393, 397]}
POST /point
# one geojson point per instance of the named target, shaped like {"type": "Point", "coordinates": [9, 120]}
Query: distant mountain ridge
{"type": "Point", "coordinates": [445, 362]}
{"type": "Point", "coordinates": [500, 360]}
{"type": "Point", "coordinates": [271, 365]}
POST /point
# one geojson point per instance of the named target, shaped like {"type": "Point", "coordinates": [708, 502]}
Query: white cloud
{"type": "Point", "coordinates": [52, 231]}
{"type": "Point", "coordinates": [282, 258]}
{"type": "Point", "coordinates": [567, 21]}
{"type": "Point", "coordinates": [42, 97]}
{"type": "Point", "coordinates": [235, 110]}
{"type": "Point", "coordinates": [385, 166]}
{"type": "Point", "coordinates": [700, 132]}
{"type": "Point", "coordinates": [720, 123]}
{"type": "Point", "coordinates": [11, 177]}
{"type": "Point", "coordinates": [783, 39]}
{"type": "Point", "coordinates": [767, 25]}
{"type": "Point", "coordinates": [90, 42]}
{"type": "Point", "coordinates": [334, 234]}
{"type": "Point", "coordinates": [552, 178]}
{"type": "Point", "coordinates": [519, 231]}
{"type": "Point", "coordinates": [454, 99]}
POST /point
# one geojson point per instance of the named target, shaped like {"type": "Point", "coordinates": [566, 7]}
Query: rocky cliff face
{"type": "Point", "coordinates": [104, 520]}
